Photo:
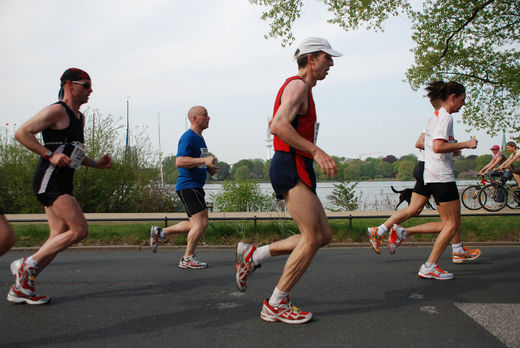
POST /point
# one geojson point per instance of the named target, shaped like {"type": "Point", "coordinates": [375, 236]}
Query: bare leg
{"type": "Point", "coordinates": [517, 178]}
{"type": "Point", "coordinates": [450, 216]}
{"type": "Point", "coordinates": [181, 227]}
{"type": "Point", "coordinates": [427, 228]}
{"type": "Point", "coordinates": [68, 226]}
{"type": "Point", "coordinates": [7, 237]}
{"type": "Point", "coordinates": [416, 206]}
{"type": "Point", "coordinates": [308, 213]}
{"type": "Point", "coordinates": [198, 223]}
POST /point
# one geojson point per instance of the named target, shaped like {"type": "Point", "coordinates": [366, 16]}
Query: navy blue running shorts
{"type": "Point", "coordinates": [287, 168]}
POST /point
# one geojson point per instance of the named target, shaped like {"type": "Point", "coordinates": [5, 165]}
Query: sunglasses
{"type": "Point", "coordinates": [85, 84]}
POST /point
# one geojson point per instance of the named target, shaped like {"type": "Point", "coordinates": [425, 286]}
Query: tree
{"type": "Point", "coordinates": [405, 170]}
{"type": "Point", "coordinates": [242, 196]}
{"type": "Point", "coordinates": [343, 196]}
{"type": "Point", "coordinates": [170, 171]}
{"type": "Point", "coordinates": [224, 171]}
{"type": "Point", "coordinates": [473, 42]}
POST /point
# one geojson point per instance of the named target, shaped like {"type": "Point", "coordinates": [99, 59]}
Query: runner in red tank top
{"type": "Point", "coordinates": [292, 176]}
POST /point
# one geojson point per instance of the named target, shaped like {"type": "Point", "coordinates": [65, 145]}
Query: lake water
{"type": "Point", "coordinates": [372, 195]}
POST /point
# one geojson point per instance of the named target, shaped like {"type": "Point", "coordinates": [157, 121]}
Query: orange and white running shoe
{"type": "Point", "coordinates": [244, 265]}
{"type": "Point", "coordinates": [434, 273]}
{"type": "Point", "coordinates": [375, 239]}
{"type": "Point", "coordinates": [284, 312]}
{"type": "Point", "coordinates": [467, 255]}
{"type": "Point", "coordinates": [393, 238]}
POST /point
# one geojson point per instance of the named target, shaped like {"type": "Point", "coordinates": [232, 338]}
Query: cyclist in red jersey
{"type": "Point", "coordinates": [292, 175]}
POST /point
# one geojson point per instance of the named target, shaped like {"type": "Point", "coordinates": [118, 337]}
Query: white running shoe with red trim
{"type": "Point", "coordinates": [155, 238]}
{"type": "Point", "coordinates": [285, 312]}
{"type": "Point", "coordinates": [25, 277]}
{"type": "Point", "coordinates": [434, 273]}
{"type": "Point", "coordinates": [244, 264]}
{"type": "Point", "coordinates": [192, 262]}
{"type": "Point", "coordinates": [393, 238]}
{"type": "Point", "coordinates": [16, 296]}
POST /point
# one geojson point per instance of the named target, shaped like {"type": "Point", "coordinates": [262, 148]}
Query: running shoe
{"type": "Point", "coordinates": [393, 238]}
{"type": "Point", "coordinates": [467, 255]}
{"type": "Point", "coordinates": [155, 238]}
{"type": "Point", "coordinates": [375, 239]}
{"type": "Point", "coordinates": [16, 296]}
{"type": "Point", "coordinates": [25, 277]}
{"type": "Point", "coordinates": [192, 262]}
{"type": "Point", "coordinates": [434, 273]}
{"type": "Point", "coordinates": [285, 312]}
{"type": "Point", "coordinates": [244, 264]}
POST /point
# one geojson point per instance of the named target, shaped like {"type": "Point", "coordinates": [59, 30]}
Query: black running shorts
{"type": "Point", "coordinates": [443, 191]}
{"type": "Point", "coordinates": [420, 187]}
{"type": "Point", "coordinates": [193, 200]}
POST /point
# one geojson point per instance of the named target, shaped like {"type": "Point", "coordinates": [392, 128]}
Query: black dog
{"type": "Point", "coordinates": [406, 195]}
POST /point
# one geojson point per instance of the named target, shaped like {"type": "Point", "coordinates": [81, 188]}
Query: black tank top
{"type": "Point", "coordinates": [52, 138]}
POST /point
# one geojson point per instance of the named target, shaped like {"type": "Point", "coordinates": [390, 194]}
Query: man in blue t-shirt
{"type": "Point", "coordinates": [193, 162]}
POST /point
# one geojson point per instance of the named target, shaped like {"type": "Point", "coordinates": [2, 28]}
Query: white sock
{"type": "Point", "coordinates": [277, 297]}
{"type": "Point", "coordinates": [382, 230]}
{"type": "Point", "coordinates": [457, 248]}
{"type": "Point", "coordinates": [401, 232]}
{"type": "Point", "coordinates": [429, 265]}
{"type": "Point", "coordinates": [31, 263]}
{"type": "Point", "coordinates": [162, 234]}
{"type": "Point", "coordinates": [261, 254]}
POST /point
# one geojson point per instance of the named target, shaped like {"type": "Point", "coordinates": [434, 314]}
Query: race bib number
{"type": "Point", "coordinates": [316, 129]}
{"type": "Point", "coordinates": [78, 154]}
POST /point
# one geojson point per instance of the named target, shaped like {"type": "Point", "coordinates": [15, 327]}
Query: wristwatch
{"type": "Point", "coordinates": [48, 155]}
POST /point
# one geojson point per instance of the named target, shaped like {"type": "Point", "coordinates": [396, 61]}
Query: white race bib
{"type": "Point", "coordinates": [78, 154]}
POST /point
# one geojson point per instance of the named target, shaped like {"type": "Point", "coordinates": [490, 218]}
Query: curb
{"type": "Point", "coordinates": [217, 247]}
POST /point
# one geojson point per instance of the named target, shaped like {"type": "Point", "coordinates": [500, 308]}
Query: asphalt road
{"type": "Point", "coordinates": [131, 298]}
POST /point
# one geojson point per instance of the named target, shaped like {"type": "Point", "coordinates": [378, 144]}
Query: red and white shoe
{"type": "Point", "coordinates": [393, 238]}
{"type": "Point", "coordinates": [244, 264]}
{"type": "Point", "coordinates": [192, 262]}
{"type": "Point", "coordinates": [467, 255]}
{"type": "Point", "coordinates": [16, 296]}
{"type": "Point", "coordinates": [434, 273]}
{"type": "Point", "coordinates": [284, 312]}
{"type": "Point", "coordinates": [25, 277]}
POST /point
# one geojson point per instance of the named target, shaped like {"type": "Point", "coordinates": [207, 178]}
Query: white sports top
{"type": "Point", "coordinates": [438, 167]}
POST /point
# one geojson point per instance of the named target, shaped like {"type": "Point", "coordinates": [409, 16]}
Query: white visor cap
{"type": "Point", "coordinates": [315, 44]}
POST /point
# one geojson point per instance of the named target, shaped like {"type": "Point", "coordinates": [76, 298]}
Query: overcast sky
{"type": "Point", "coordinates": [167, 56]}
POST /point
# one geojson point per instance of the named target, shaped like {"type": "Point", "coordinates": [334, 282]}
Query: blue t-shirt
{"type": "Point", "coordinates": [191, 145]}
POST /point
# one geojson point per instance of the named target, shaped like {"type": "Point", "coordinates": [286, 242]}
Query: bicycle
{"type": "Point", "coordinates": [495, 196]}
{"type": "Point", "coordinates": [470, 195]}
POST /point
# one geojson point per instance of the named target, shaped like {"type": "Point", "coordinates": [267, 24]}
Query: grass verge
{"type": "Point", "coordinates": [473, 229]}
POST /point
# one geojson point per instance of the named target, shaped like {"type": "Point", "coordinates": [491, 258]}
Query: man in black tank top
{"type": "Point", "coordinates": [61, 125]}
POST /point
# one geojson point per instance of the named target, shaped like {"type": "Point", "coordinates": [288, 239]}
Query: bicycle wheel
{"type": "Point", "coordinates": [513, 198]}
{"type": "Point", "coordinates": [470, 197]}
{"type": "Point", "coordinates": [492, 197]}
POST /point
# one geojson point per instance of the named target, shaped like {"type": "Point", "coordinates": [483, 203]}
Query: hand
{"type": "Point", "coordinates": [60, 160]}
{"type": "Point", "coordinates": [104, 162]}
{"type": "Point", "coordinates": [210, 162]}
{"type": "Point", "coordinates": [457, 153]}
{"type": "Point", "coordinates": [327, 164]}
{"type": "Point", "coordinates": [471, 143]}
